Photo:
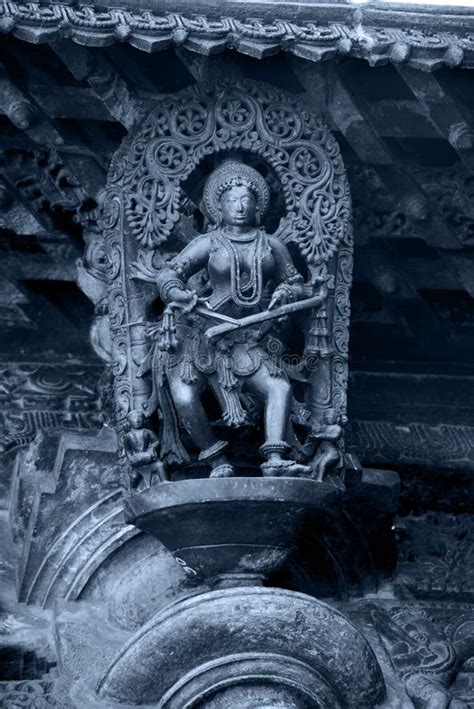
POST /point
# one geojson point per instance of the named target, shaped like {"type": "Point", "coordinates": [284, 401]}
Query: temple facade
{"type": "Point", "coordinates": [236, 355]}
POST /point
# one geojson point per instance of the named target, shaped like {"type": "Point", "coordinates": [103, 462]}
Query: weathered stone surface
{"type": "Point", "coordinates": [321, 32]}
{"type": "Point", "coordinates": [136, 581]}
{"type": "Point", "coordinates": [436, 557]}
{"type": "Point", "coordinates": [86, 643]}
{"type": "Point", "coordinates": [423, 643]}
{"type": "Point", "coordinates": [233, 145]}
{"type": "Point", "coordinates": [193, 648]}
{"type": "Point", "coordinates": [65, 501]}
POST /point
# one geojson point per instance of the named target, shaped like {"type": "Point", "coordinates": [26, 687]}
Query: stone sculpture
{"type": "Point", "coordinates": [223, 154]}
{"type": "Point", "coordinates": [140, 445]}
{"type": "Point", "coordinates": [250, 273]}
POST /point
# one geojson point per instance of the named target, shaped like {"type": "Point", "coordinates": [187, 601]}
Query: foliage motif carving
{"type": "Point", "coordinates": [302, 151]}
{"type": "Point", "coordinates": [382, 442]}
{"type": "Point", "coordinates": [436, 557]}
{"type": "Point", "coordinates": [427, 646]}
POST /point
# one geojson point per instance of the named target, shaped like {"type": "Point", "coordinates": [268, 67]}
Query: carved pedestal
{"type": "Point", "coordinates": [232, 532]}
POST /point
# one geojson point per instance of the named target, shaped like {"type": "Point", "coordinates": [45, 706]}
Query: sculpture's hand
{"type": "Point", "coordinates": [186, 299]}
{"type": "Point", "coordinates": [281, 296]}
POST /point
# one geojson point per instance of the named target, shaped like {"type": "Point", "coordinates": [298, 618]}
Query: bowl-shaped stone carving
{"type": "Point", "coordinates": [231, 531]}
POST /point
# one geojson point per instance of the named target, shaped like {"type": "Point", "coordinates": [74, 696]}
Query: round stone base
{"type": "Point", "coordinates": [245, 648]}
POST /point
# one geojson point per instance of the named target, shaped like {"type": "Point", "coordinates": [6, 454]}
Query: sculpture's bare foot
{"type": "Point", "coordinates": [226, 470]}
{"type": "Point", "coordinates": [285, 469]}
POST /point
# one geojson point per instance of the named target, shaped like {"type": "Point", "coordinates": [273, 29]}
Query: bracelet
{"type": "Point", "coordinates": [166, 287]}
{"type": "Point", "coordinates": [284, 287]}
{"type": "Point", "coordinates": [292, 275]}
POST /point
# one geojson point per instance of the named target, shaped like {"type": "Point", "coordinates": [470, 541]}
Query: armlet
{"type": "Point", "coordinates": [291, 275]}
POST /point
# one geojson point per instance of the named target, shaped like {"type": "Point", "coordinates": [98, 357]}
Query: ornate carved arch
{"type": "Point", "coordinates": [144, 201]}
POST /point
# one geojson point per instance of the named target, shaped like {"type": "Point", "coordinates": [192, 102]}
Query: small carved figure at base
{"type": "Point", "coordinates": [140, 445]}
{"type": "Point", "coordinates": [328, 454]}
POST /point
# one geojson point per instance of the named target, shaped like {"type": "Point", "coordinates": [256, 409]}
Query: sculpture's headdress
{"type": "Point", "coordinates": [232, 173]}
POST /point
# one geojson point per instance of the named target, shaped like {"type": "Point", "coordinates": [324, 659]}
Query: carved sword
{"type": "Point", "coordinates": [230, 324]}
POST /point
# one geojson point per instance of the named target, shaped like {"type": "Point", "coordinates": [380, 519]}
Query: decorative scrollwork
{"type": "Point", "coordinates": [264, 121]}
{"type": "Point", "coordinates": [283, 123]}
{"type": "Point", "coordinates": [235, 113]}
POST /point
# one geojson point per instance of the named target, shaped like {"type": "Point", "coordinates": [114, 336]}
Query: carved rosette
{"type": "Point", "coordinates": [145, 199]}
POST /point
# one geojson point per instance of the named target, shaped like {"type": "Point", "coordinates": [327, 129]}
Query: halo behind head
{"type": "Point", "coordinates": [233, 173]}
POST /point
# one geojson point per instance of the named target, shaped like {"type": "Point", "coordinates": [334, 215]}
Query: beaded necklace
{"type": "Point", "coordinates": [254, 285]}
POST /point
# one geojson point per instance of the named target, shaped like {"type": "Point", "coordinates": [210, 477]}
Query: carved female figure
{"type": "Point", "coordinates": [249, 271]}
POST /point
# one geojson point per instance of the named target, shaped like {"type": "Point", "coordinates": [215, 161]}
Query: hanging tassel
{"type": "Point", "coordinates": [188, 370]}
{"type": "Point", "coordinates": [160, 365]}
{"type": "Point", "coordinates": [171, 450]}
{"type": "Point", "coordinates": [188, 374]}
{"type": "Point", "coordinates": [167, 332]}
{"type": "Point", "coordinates": [225, 373]}
{"type": "Point", "coordinates": [234, 414]}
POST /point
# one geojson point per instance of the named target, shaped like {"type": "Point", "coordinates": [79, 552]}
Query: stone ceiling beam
{"type": "Point", "coordinates": [398, 180]}
{"type": "Point", "coordinates": [73, 102]}
{"type": "Point", "coordinates": [353, 124]}
{"type": "Point", "coordinates": [420, 272]}
{"type": "Point", "coordinates": [52, 241]}
{"type": "Point", "coordinates": [385, 270]}
{"type": "Point", "coordinates": [203, 68]}
{"type": "Point", "coordinates": [12, 299]}
{"type": "Point", "coordinates": [109, 86]}
{"type": "Point", "coordinates": [27, 116]}
{"type": "Point", "coordinates": [389, 118]}
{"type": "Point", "coordinates": [463, 266]}
{"type": "Point", "coordinates": [32, 266]}
{"type": "Point", "coordinates": [330, 92]}
{"type": "Point", "coordinates": [443, 111]}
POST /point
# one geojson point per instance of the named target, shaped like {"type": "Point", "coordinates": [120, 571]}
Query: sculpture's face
{"type": "Point", "coordinates": [136, 419]}
{"type": "Point", "coordinates": [239, 207]}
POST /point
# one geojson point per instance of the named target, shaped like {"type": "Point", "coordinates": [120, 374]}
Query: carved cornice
{"type": "Point", "coordinates": [411, 37]}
